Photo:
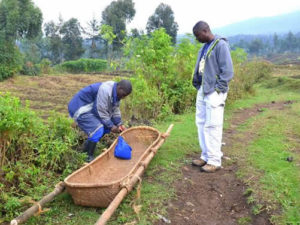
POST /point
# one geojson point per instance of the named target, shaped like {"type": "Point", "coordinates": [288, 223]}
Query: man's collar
{"type": "Point", "coordinates": [114, 94]}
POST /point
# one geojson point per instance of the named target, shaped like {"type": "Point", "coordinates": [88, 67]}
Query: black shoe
{"type": "Point", "coordinates": [89, 148]}
{"type": "Point", "coordinates": [90, 158]}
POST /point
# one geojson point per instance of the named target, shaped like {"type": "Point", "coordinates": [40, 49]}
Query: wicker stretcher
{"type": "Point", "coordinates": [97, 183]}
{"type": "Point", "coordinates": [107, 180]}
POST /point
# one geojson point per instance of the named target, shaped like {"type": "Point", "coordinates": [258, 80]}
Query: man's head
{"type": "Point", "coordinates": [124, 88]}
{"type": "Point", "coordinates": [202, 32]}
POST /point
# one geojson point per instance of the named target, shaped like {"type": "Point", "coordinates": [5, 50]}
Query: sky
{"type": "Point", "coordinates": [216, 13]}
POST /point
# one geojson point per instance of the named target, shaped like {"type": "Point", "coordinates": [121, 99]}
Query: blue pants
{"type": "Point", "coordinates": [92, 126]}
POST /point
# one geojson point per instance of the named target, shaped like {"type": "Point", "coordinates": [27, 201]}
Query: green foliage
{"type": "Point", "coordinates": [167, 70]}
{"type": "Point", "coordinates": [53, 41]}
{"type": "Point", "coordinates": [163, 17]}
{"type": "Point", "coordinates": [31, 152]}
{"type": "Point", "coordinates": [45, 66]}
{"type": "Point", "coordinates": [239, 56]}
{"type": "Point", "coordinates": [18, 19]}
{"type": "Point", "coordinates": [85, 66]}
{"type": "Point", "coordinates": [30, 69]}
{"type": "Point", "coordinates": [71, 39]}
{"type": "Point", "coordinates": [116, 15]}
{"type": "Point", "coordinates": [107, 33]}
{"type": "Point", "coordinates": [10, 59]}
{"type": "Point", "coordinates": [63, 40]}
{"type": "Point", "coordinates": [155, 60]}
{"type": "Point", "coordinates": [246, 74]}
{"type": "Point", "coordinates": [144, 102]}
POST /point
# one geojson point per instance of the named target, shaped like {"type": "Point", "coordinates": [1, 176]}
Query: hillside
{"type": "Point", "coordinates": [265, 25]}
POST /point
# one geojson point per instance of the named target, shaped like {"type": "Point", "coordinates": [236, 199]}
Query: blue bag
{"type": "Point", "coordinates": [122, 149]}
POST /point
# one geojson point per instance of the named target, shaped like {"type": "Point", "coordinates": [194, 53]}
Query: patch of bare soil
{"type": "Point", "coordinates": [217, 198]}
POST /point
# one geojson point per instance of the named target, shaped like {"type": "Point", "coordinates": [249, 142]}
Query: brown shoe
{"type": "Point", "coordinates": [208, 168]}
{"type": "Point", "coordinates": [198, 162]}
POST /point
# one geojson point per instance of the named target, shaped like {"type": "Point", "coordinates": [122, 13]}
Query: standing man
{"type": "Point", "coordinates": [212, 74]}
{"type": "Point", "coordinates": [95, 109]}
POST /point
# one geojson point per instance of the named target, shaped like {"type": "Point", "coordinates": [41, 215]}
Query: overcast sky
{"type": "Point", "coordinates": [217, 13]}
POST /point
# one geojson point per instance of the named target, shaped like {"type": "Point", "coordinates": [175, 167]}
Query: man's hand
{"type": "Point", "coordinates": [115, 129]}
{"type": "Point", "coordinates": [122, 128]}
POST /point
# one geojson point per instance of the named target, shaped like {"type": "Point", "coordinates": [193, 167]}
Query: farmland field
{"type": "Point", "coordinates": [47, 93]}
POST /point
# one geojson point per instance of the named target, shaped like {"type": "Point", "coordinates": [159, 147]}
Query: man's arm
{"type": "Point", "coordinates": [116, 116]}
{"type": "Point", "coordinates": [102, 107]}
{"type": "Point", "coordinates": [197, 79]}
{"type": "Point", "coordinates": [225, 66]}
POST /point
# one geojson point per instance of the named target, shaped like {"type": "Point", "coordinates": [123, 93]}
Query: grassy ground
{"type": "Point", "coordinates": [273, 181]}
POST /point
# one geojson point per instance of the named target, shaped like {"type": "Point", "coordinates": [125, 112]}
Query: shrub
{"type": "Point", "coordinates": [160, 69]}
{"type": "Point", "coordinates": [34, 154]}
{"type": "Point", "coordinates": [246, 74]}
{"type": "Point", "coordinates": [10, 60]}
{"type": "Point", "coordinates": [85, 66]}
{"type": "Point", "coordinates": [30, 69]}
{"type": "Point", "coordinates": [45, 66]}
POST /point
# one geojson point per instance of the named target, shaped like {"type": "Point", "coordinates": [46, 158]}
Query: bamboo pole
{"type": "Point", "coordinates": [38, 206]}
{"type": "Point", "coordinates": [125, 190]}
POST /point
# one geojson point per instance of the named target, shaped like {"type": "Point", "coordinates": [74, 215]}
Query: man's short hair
{"type": "Point", "coordinates": [201, 25]}
{"type": "Point", "coordinates": [126, 86]}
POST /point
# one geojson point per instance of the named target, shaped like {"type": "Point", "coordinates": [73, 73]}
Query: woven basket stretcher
{"type": "Point", "coordinates": [97, 183]}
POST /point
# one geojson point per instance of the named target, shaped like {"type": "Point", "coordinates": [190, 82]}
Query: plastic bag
{"type": "Point", "coordinates": [122, 149]}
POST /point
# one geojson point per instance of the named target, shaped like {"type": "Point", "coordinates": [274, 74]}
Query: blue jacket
{"type": "Point", "coordinates": [218, 69]}
{"type": "Point", "coordinates": [101, 100]}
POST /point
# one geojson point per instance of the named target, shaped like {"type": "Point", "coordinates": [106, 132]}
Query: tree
{"type": "Point", "coordinates": [71, 39]}
{"type": "Point", "coordinates": [255, 46]}
{"type": "Point", "coordinates": [18, 19]}
{"type": "Point", "coordinates": [54, 42]}
{"type": "Point", "coordinates": [163, 17]}
{"type": "Point", "coordinates": [92, 31]}
{"type": "Point", "coordinates": [275, 42]}
{"type": "Point", "coordinates": [116, 15]}
{"type": "Point", "coordinates": [107, 34]}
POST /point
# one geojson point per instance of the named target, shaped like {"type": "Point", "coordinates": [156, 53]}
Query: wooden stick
{"type": "Point", "coordinates": [125, 190]}
{"type": "Point", "coordinates": [37, 207]}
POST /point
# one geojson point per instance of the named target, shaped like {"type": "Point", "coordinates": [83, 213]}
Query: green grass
{"type": "Point", "coordinates": [274, 181]}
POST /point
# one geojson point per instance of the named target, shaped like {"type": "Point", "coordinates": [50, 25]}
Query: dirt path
{"type": "Point", "coordinates": [216, 199]}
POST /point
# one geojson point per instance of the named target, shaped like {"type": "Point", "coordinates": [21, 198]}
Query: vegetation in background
{"type": "Point", "coordinates": [64, 40]}
{"type": "Point", "coordinates": [116, 15]}
{"type": "Point", "coordinates": [85, 66]}
{"type": "Point", "coordinates": [163, 17]}
{"type": "Point", "coordinates": [267, 45]}
{"type": "Point", "coordinates": [18, 19]}
{"type": "Point", "coordinates": [163, 75]}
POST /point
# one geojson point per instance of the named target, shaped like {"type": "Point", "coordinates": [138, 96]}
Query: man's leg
{"type": "Point", "coordinates": [200, 121]}
{"type": "Point", "coordinates": [92, 126]}
{"type": "Point", "coordinates": [213, 130]}
{"type": "Point", "coordinates": [89, 148]}
{"type": "Point", "coordinates": [93, 140]}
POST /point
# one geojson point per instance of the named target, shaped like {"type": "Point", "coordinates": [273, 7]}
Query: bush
{"type": "Point", "coordinates": [85, 66]}
{"type": "Point", "coordinates": [30, 69]}
{"type": "Point", "coordinates": [246, 74]}
{"type": "Point", "coordinates": [34, 154]}
{"type": "Point", "coordinates": [144, 102]}
{"type": "Point", "coordinates": [10, 60]}
{"type": "Point", "coordinates": [162, 69]}
{"type": "Point", "coordinates": [45, 66]}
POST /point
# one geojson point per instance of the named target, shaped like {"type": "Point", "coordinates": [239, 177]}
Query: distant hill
{"type": "Point", "coordinates": [265, 25]}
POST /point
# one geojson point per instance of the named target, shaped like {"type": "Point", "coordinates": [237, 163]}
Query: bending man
{"type": "Point", "coordinates": [95, 109]}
